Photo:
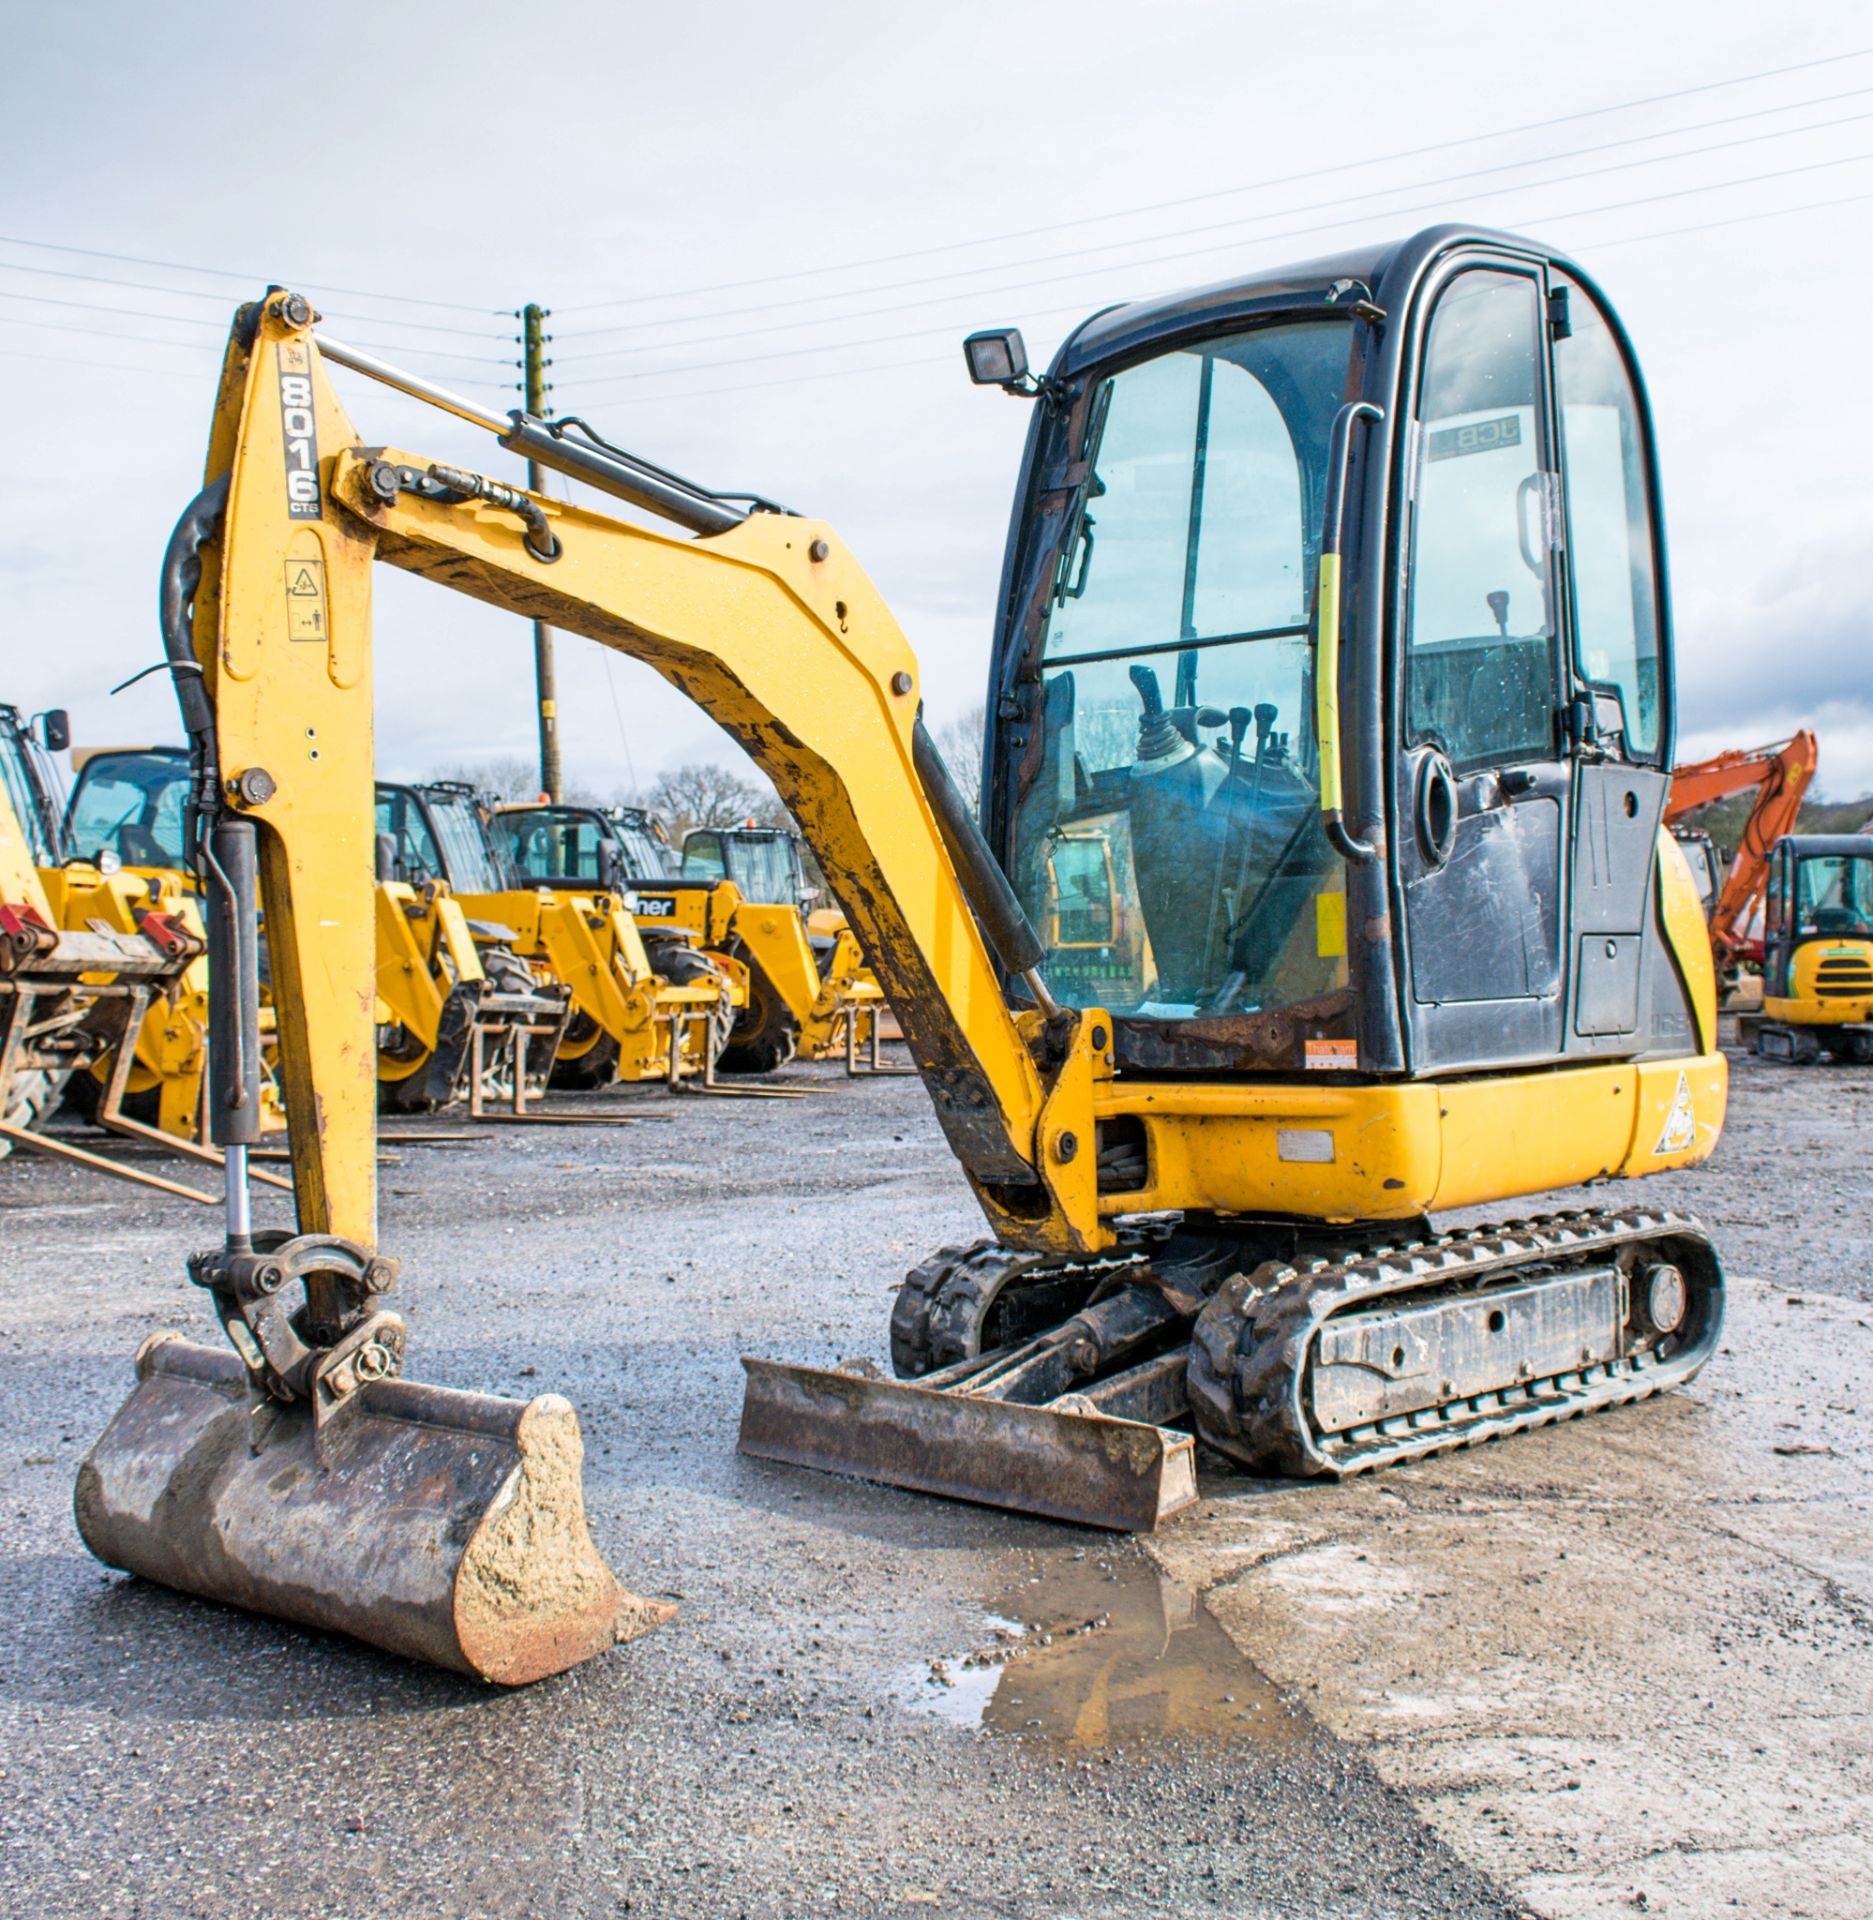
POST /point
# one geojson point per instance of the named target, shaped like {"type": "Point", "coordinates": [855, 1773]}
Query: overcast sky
{"type": "Point", "coordinates": [763, 231]}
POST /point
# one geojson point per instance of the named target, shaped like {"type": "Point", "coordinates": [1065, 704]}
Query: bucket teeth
{"type": "Point", "coordinates": [449, 1527]}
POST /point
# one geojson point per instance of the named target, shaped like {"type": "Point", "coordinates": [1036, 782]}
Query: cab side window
{"type": "Point", "coordinates": [1611, 539]}
{"type": "Point", "coordinates": [1481, 669]}
{"type": "Point", "coordinates": [702, 857]}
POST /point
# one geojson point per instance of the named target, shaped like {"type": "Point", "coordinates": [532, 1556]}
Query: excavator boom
{"type": "Point", "coordinates": [1781, 775]}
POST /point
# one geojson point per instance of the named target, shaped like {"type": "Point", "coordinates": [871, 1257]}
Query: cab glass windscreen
{"type": "Point", "coordinates": [130, 804]}
{"type": "Point", "coordinates": [1167, 839]}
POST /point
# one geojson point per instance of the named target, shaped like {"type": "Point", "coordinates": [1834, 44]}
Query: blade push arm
{"type": "Point", "coordinates": [769, 625]}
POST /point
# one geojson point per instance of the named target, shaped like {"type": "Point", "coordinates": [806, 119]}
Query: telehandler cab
{"type": "Point", "coordinates": [1419, 944]}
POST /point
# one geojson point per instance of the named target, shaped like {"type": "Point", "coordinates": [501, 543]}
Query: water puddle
{"type": "Point", "coordinates": [1099, 1652]}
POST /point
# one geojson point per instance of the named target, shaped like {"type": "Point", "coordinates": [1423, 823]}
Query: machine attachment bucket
{"type": "Point", "coordinates": [448, 1527]}
{"type": "Point", "coordinates": [1053, 1461]}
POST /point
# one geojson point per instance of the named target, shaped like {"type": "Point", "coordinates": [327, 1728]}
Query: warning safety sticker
{"type": "Point", "coordinates": [1680, 1132]}
{"type": "Point", "coordinates": [305, 599]}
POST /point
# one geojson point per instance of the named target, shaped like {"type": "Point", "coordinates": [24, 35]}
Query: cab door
{"type": "Point", "coordinates": [1482, 779]}
{"type": "Point", "coordinates": [1621, 999]}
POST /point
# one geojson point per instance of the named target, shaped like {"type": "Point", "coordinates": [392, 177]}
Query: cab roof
{"type": "Point", "coordinates": [1848, 846]}
{"type": "Point", "coordinates": [1118, 330]}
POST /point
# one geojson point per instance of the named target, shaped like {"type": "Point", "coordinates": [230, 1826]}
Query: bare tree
{"type": "Point", "coordinates": [511, 778]}
{"type": "Point", "coordinates": [959, 741]}
{"type": "Point", "coordinates": [508, 778]}
{"type": "Point", "coordinates": [703, 794]}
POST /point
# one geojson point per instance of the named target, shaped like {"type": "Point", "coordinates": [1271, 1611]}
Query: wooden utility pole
{"type": "Point", "coordinates": [533, 344]}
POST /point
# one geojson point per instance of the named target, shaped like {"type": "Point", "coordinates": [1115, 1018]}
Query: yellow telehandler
{"type": "Point", "coordinates": [632, 1015]}
{"type": "Point", "coordinates": [102, 974]}
{"type": "Point", "coordinates": [740, 895]}
{"type": "Point", "coordinates": [122, 829]}
{"type": "Point", "coordinates": [813, 994]}
{"type": "Point", "coordinates": [1423, 946]}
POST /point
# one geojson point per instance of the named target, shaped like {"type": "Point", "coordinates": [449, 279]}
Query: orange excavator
{"type": "Point", "coordinates": [1781, 776]}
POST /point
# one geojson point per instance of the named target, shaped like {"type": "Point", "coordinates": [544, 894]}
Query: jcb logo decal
{"type": "Point", "coordinates": [300, 432]}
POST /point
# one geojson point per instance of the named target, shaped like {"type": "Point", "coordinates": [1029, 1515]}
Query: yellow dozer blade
{"type": "Point", "coordinates": [446, 1526]}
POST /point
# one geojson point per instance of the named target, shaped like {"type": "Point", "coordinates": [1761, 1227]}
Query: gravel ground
{"type": "Point", "coordinates": [786, 1746]}
{"type": "Point", "coordinates": [771, 1752]}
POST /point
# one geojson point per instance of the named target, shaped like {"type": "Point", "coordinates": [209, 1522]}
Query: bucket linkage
{"type": "Point", "coordinates": [298, 1474]}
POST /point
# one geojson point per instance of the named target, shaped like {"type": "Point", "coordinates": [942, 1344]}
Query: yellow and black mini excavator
{"type": "Point", "coordinates": [1817, 974]}
{"type": "Point", "coordinates": [1334, 617]}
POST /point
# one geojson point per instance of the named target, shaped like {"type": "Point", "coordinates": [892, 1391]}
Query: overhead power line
{"type": "Point", "coordinates": [905, 361]}
{"type": "Point", "coordinates": [114, 366]}
{"type": "Point", "coordinates": [104, 333]}
{"type": "Point", "coordinates": [220, 300]}
{"type": "Point", "coordinates": [1275, 213]}
{"type": "Point", "coordinates": [1257, 241]}
{"type": "Point", "coordinates": [251, 279]}
{"type": "Point", "coordinates": [189, 320]}
{"type": "Point", "coordinates": [1216, 193]}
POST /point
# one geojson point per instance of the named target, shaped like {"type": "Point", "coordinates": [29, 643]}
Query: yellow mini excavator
{"type": "Point", "coordinates": [1335, 601]}
{"type": "Point", "coordinates": [1818, 950]}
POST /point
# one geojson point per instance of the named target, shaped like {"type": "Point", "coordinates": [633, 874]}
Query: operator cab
{"type": "Point", "coordinates": [127, 807]}
{"type": "Point", "coordinates": [763, 862]}
{"type": "Point", "coordinates": [592, 847]}
{"type": "Point", "coordinates": [1162, 786]}
{"type": "Point", "coordinates": [437, 831]}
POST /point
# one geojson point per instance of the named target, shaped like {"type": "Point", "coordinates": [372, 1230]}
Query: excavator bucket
{"type": "Point", "coordinates": [448, 1527]}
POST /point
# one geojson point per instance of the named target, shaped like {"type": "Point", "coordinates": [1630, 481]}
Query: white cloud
{"type": "Point", "coordinates": [590, 152]}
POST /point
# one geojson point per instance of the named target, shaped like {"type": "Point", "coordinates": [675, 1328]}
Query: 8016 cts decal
{"type": "Point", "coordinates": [302, 435]}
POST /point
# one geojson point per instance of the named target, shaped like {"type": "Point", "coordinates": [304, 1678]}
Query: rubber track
{"type": "Point", "coordinates": [1251, 1345]}
{"type": "Point", "coordinates": [938, 1314]}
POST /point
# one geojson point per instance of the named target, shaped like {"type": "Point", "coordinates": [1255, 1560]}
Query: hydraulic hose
{"type": "Point", "coordinates": [223, 850]}
{"type": "Point", "coordinates": [182, 576]}
{"type": "Point", "coordinates": [993, 901]}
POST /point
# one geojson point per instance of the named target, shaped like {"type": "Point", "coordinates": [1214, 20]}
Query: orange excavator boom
{"type": "Point", "coordinates": [1781, 776]}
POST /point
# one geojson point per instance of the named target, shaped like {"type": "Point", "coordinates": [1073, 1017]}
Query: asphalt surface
{"type": "Point", "coordinates": [784, 1746]}
{"type": "Point", "coordinates": [870, 1702]}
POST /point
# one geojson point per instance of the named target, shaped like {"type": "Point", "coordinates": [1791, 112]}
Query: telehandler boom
{"type": "Point", "coordinates": [1420, 944]}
